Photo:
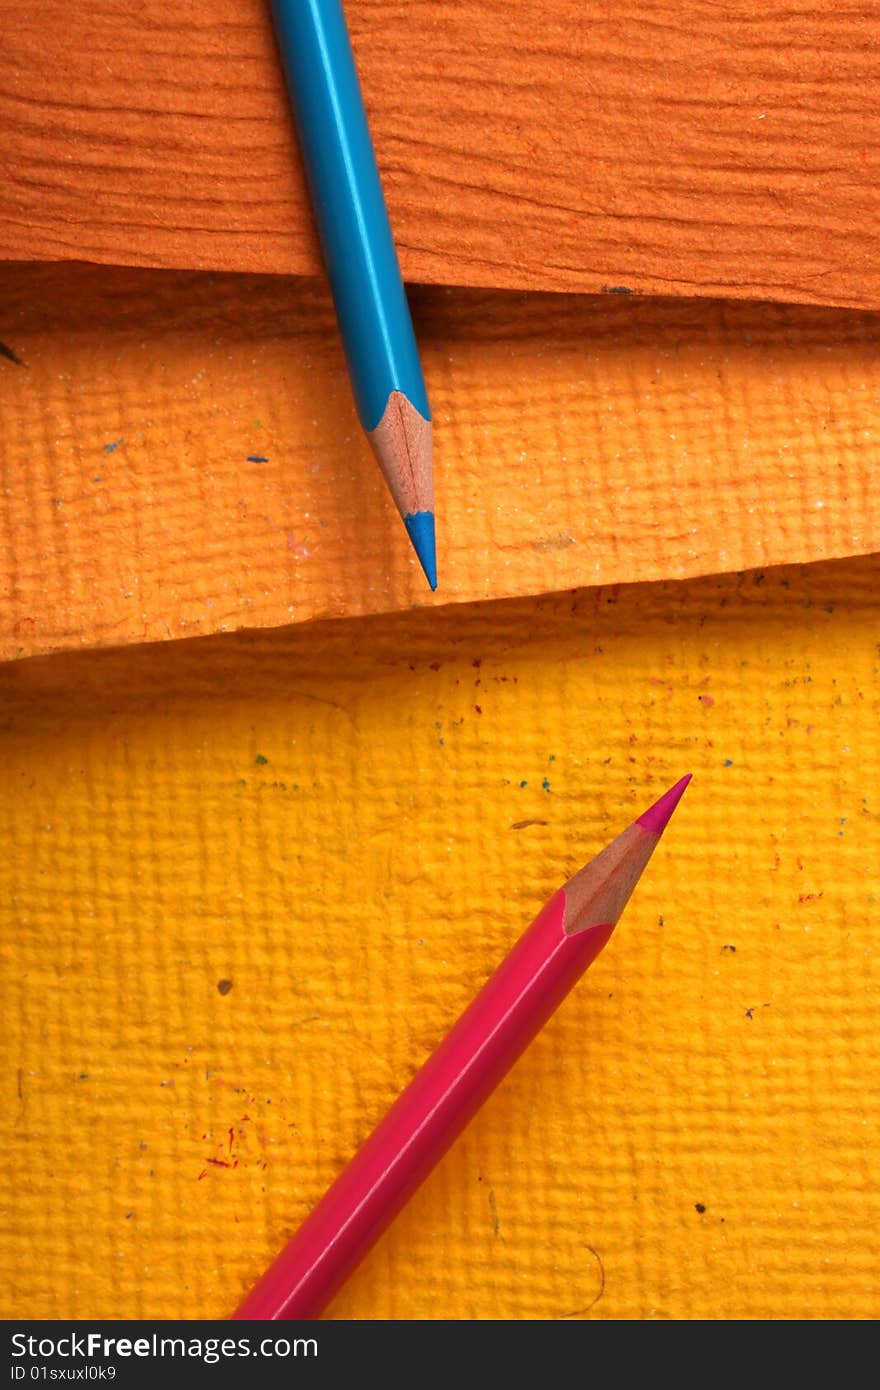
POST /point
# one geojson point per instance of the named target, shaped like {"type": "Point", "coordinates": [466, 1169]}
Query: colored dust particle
{"type": "Point", "coordinates": [257, 458]}
{"type": "Point", "coordinates": [546, 784]}
{"type": "Point", "coordinates": [728, 762]}
{"type": "Point", "coordinates": [698, 1206]}
{"type": "Point", "coordinates": [243, 1136]}
{"type": "Point", "coordinates": [260, 760]}
{"type": "Point", "coordinates": [109, 448]}
{"type": "Point", "coordinates": [224, 986]}
{"type": "Point", "coordinates": [8, 353]}
{"type": "Point", "coordinates": [524, 784]}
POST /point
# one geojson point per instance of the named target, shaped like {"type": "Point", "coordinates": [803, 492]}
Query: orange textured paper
{"type": "Point", "coordinates": [181, 454]}
{"type": "Point", "coordinates": [249, 882]}
{"type": "Point", "coordinates": [669, 146]}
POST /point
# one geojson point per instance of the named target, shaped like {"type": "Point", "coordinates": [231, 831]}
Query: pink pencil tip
{"type": "Point", "coordinates": [656, 818]}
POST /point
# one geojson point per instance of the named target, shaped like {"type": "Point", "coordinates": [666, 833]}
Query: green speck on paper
{"type": "Point", "coordinates": [260, 760]}
{"type": "Point", "coordinates": [728, 762]}
{"type": "Point", "coordinates": [524, 784]}
{"type": "Point", "coordinates": [83, 1076]}
{"type": "Point", "coordinates": [257, 425]}
{"type": "Point", "coordinates": [546, 784]}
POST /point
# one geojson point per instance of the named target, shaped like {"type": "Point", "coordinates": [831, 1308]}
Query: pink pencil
{"type": "Point", "coordinates": [443, 1097]}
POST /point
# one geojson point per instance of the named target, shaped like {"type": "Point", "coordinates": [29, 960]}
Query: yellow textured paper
{"type": "Point", "coordinates": [181, 453]}
{"type": "Point", "coordinates": [347, 825]}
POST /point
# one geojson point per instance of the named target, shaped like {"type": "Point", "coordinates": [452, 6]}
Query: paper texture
{"type": "Point", "coordinates": [249, 882]}
{"type": "Point", "coordinates": [181, 454]}
{"type": "Point", "coordinates": [677, 148]}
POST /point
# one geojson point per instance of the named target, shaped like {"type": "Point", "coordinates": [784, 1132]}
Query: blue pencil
{"type": "Point", "coordinates": [368, 293]}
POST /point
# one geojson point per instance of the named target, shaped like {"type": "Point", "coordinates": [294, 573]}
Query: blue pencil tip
{"type": "Point", "coordinates": [420, 527]}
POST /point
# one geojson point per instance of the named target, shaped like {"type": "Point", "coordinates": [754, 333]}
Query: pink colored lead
{"type": "Point", "coordinates": [657, 817]}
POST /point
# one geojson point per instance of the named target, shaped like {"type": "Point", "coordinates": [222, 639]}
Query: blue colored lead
{"type": "Point", "coordinates": [420, 527]}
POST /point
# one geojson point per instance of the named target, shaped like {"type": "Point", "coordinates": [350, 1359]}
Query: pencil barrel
{"type": "Point", "coordinates": [349, 206]}
{"type": "Point", "coordinates": [428, 1116]}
